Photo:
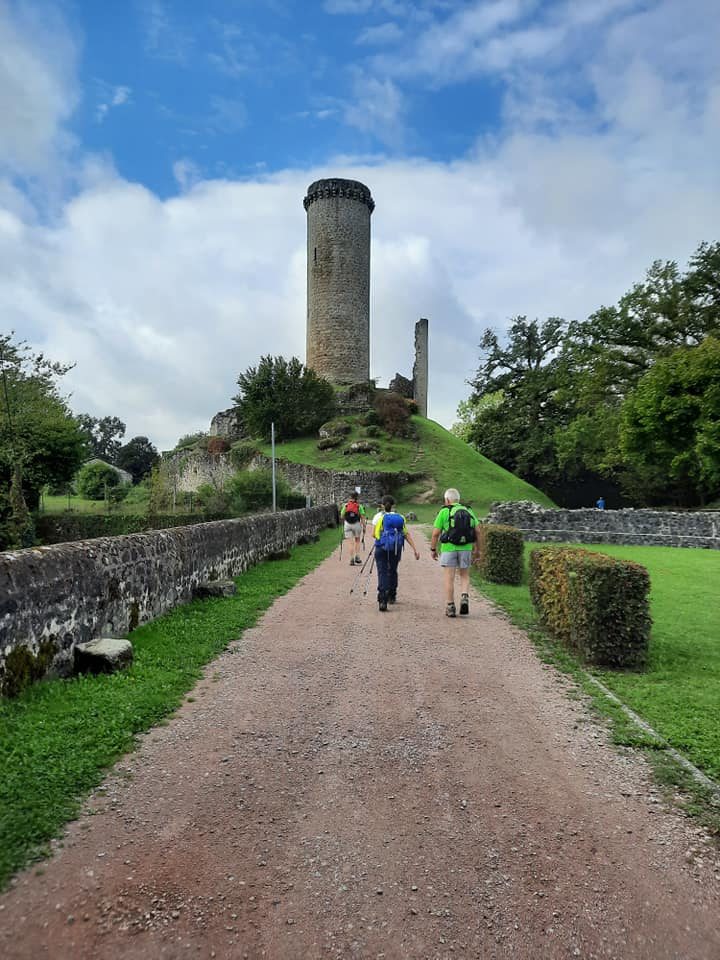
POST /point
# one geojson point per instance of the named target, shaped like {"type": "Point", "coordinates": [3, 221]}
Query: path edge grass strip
{"type": "Point", "coordinates": [59, 738]}
{"type": "Point", "coordinates": [668, 767]}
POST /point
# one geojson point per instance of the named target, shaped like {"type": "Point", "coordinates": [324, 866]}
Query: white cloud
{"type": "Point", "coordinates": [227, 115]}
{"type": "Point", "coordinates": [37, 88]}
{"type": "Point", "coordinates": [111, 97]}
{"type": "Point", "coordinates": [384, 33]}
{"type": "Point", "coordinates": [163, 303]}
{"type": "Point", "coordinates": [377, 108]}
{"type": "Point", "coordinates": [187, 173]}
{"type": "Point", "coordinates": [164, 37]}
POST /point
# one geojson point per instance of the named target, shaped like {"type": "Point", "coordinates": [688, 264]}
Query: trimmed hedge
{"type": "Point", "coordinates": [501, 553]}
{"type": "Point", "coordinates": [596, 604]}
{"type": "Point", "coordinates": [68, 527]}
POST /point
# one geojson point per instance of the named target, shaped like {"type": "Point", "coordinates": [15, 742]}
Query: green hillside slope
{"type": "Point", "coordinates": [442, 458]}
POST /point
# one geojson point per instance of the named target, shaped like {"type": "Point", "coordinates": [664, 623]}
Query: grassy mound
{"type": "Point", "coordinates": [442, 460]}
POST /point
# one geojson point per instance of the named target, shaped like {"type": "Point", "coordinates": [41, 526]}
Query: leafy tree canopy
{"type": "Point", "coordinates": [565, 387]}
{"type": "Point", "coordinates": [95, 479]}
{"type": "Point", "coordinates": [670, 425]}
{"type": "Point", "coordinates": [40, 442]}
{"type": "Point", "coordinates": [138, 456]}
{"type": "Point", "coordinates": [286, 393]}
{"type": "Point", "coordinates": [102, 436]}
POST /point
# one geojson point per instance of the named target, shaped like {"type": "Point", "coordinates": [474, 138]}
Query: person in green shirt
{"type": "Point", "coordinates": [456, 531]}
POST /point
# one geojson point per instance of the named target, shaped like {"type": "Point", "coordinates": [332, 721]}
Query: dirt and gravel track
{"type": "Point", "coordinates": [354, 784]}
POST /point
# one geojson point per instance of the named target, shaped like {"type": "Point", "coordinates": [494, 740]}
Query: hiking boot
{"type": "Point", "coordinates": [352, 561]}
{"type": "Point", "coordinates": [450, 610]}
{"type": "Point", "coordinates": [392, 598]}
{"type": "Point", "coordinates": [464, 605]}
{"type": "Point", "coordinates": [358, 560]}
{"type": "Point", "coordinates": [382, 605]}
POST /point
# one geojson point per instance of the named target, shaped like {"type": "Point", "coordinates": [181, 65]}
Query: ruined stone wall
{"type": "Point", "coordinates": [332, 486]}
{"type": "Point", "coordinates": [69, 593]}
{"type": "Point", "coordinates": [420, 368]}
{"type": "Point", "coordinates": [193, 468]}
{"type": "Point", "coordinates": [338, 280]}
{"type": "Point", "coordinates": [632, 527]}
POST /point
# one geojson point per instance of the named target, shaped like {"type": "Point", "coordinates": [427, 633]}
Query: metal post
{"type": "Point", "coordinates": [272, 453]}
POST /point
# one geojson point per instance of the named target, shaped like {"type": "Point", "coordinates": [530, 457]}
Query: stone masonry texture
{"type": "Point", "coordinates": [658, 528]}
{"type": "Point", "coordinates": [70, 593]}
{"type": "Point", "coordinates": [420, 368]}
{"type": "Point", "coordinates": [338, 280]}
{"type": "Point", "coordinates": [333, 486]}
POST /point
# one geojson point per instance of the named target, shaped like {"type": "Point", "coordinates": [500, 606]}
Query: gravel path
{"type": "Point", "coordinates": [354, 784]}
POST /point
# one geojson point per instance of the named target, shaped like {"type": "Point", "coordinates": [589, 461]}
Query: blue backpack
{"type": "Point", "coordinates": [392, 539]}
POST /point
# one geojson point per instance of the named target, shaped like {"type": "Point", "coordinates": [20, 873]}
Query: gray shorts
{"type": "Point", "coordinates": [353, 530]}
{"type": "Point", "coordinates": [456, 558]}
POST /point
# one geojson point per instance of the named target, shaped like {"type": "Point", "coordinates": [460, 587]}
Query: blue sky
{"type": "Point", "coordinates": [252, 87]}
{"type": "Point", "coordinates": [526, 157]}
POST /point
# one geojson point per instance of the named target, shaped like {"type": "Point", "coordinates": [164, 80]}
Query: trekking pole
{"type": "Point", "coordinates": [359, 574]}
{"type": "Point", "coordinates": [367, 582]}
{"type": "Point", "coordinates": [342, 538]}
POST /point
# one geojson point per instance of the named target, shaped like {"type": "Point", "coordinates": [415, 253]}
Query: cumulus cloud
{"type": "Point", "coordinates": [38, 92]}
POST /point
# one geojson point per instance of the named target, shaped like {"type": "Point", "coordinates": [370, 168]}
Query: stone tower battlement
{"type": "Point", "coordinates": [338, 280]}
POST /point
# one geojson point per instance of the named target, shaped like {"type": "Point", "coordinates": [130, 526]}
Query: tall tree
{"type": "Point", "coordinates": [102, 435]}
{"type": "Point", "coordinates": [670, 425]}
{"type": "Point", "coordinates": [522, 374]}
{"type": "Point", "coordinates": [40, 442]}
{"type": "Point", "coordinates": [138, 456]}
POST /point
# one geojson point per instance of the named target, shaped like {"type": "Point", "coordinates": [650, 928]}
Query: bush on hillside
{"type": "Point", "coordinates": [217, 445]}
{"type": "Point", "coordinates": [241, 453]}
{"type": "Point", "coordinates": [286, 393]}
{"type": "Point", "coordinates": [393, 413]}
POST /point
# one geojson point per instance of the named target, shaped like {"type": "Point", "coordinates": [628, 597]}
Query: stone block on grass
{"type": "Point", "coordinates": [215, 588]}
{"type": "Point", "coordinates": [103, 655]}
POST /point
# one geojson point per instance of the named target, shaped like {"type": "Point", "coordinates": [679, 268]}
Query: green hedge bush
{"type": "Point", "coordinates": [501, 553]}
{"type": "Point", "coordinates": [595, 603]}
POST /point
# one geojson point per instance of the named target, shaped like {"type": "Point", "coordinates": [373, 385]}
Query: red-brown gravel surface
{"type": "Point", "coordinates": [353, 784]}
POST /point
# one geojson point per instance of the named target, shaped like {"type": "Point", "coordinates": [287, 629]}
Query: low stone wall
{"type": "Point", "coordinates": [632, 527]}
{"type": "Point", "coordinates": [54, 597]}
{"type": "Point", "coordinates": [331, 486]}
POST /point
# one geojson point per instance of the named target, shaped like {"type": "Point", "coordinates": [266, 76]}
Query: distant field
{"type": "Point", "coordinates": [679, 693]}
{"type": "Point", "coordinates": [51, 504]}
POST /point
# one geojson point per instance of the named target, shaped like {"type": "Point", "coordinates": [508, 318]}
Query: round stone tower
{"type": "Point", "coordinates": [338, 280]}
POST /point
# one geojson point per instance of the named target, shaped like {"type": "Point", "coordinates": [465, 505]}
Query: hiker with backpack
{"type": "Point", "coordinates": [456, 530]}
{"type": "Point", "coordinates": [390, 533]}
{"type": "Point", "coordinates": [354, 522]}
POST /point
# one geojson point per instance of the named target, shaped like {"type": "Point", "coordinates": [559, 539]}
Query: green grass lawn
{"type": "Point", "coordinates": [59, 504]}
{"type": "Point", "coordinates": [442, 458]}
{"type": "Point", "coordinates": [679, 692]}
{"type": "Point", "coordinates": [58, 738]}
{"type": "Point", "coordinates": [448, 461]}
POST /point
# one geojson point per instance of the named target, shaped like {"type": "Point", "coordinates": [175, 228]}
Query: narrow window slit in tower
{"type": "Point", "coordinates": [315, 254]}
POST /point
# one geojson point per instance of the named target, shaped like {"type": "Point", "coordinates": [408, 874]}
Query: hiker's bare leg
{"type": "Point", "coordinates": [449, 574]}
{"type": "Point", "coordinates": [464, 581]}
